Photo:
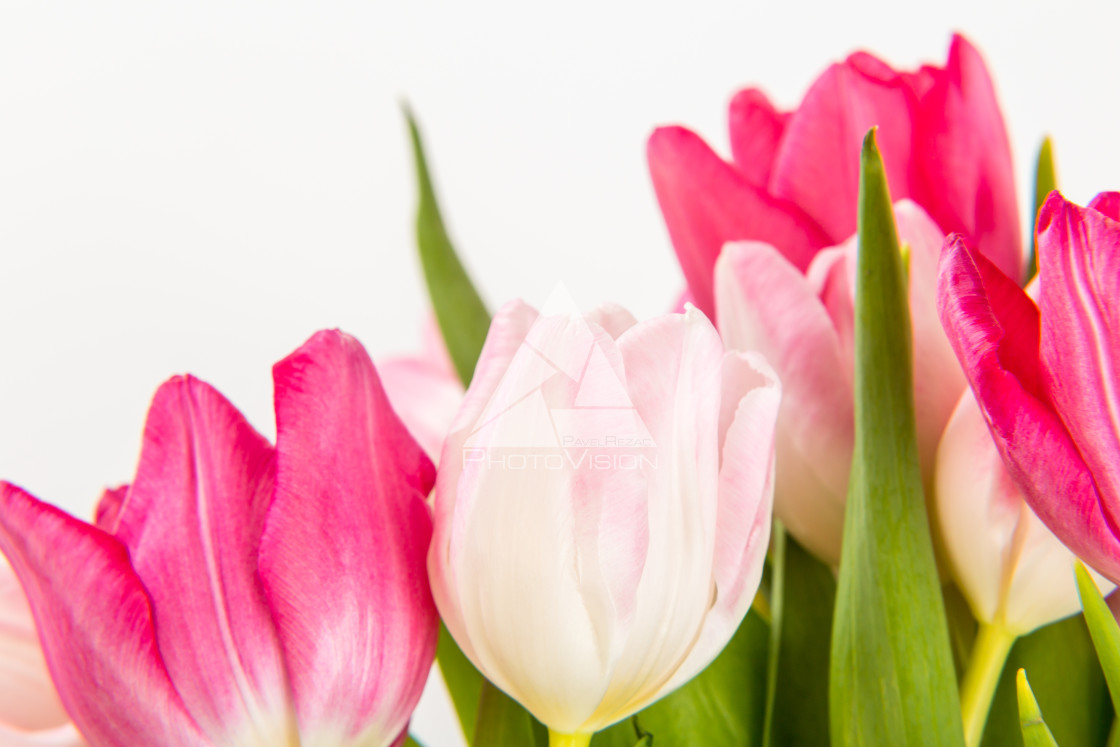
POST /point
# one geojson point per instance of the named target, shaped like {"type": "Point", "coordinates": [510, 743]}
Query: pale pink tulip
{"type": "Point", "coordinates": [1045, 374]}
{"type": "Point", "coordinates": [602, 508]}
{"type": "Point", "coordinates": [1013, 571]}
{"type": "Point", "coordinates": [803, 323]}
{"type": "Point", "coordinates": [30, 712]}
{"type": "Point", "coordinates": [424, 390]}
{"type": "Point", "coordinates": [247, 595]}
{"type": "Point", "coordinates": [794, 176]}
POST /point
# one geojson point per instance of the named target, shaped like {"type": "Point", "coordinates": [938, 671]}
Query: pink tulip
{"type": "Point", "coordinates": [247, 594]}
{"type": "Point", "coordinates": [794, 176]}
{"type": "Point", "coordinates": [603, 508]}
{"type": "Point", "coordinates": [1013, 571]}
{"type": "Point", "coordinates": [803, 323]}
{"type": "Point", "coordinates": [1045, 374]}
{"type": "Point", "coordinates": [424, 390]}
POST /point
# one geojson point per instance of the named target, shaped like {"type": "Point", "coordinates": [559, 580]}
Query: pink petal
{"type": "Point", "coordinates": [965, 178]}
{"type": "Point", "coordinates": [756, 129]}
{"type": "Point", "coordinates": [674, 369]}
{"type": "Point", "coordinates": [707, 203]}
{"type": "Point", "coordinates": [817, 164]}
{"type": "Point", "coordinates": [425, 395]}
{"type": "Point", "coordinates": [95, 622]}
{"type": "Point", "coordinates": [994, 329]}
{"type": "Point", "coordinates": [192, 523]}
{"type": "Point", "coordinates": [750, 401]}
{"type": "Point", "coordinates": [342, 558]}
{"type": "Point", "coordinates": [108, 508]}
{"type": "Point", "coordinates": [938, 379]}
{"type": "Point", "coordinates": [1079, 263]}
{"type": "Point", "coordinates": [1108, 204]}
{"type": "Point", "coordinates": [765, 304]}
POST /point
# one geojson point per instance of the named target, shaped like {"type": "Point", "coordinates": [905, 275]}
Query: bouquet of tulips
{"type": "Point", "coordinates": [859, 488]}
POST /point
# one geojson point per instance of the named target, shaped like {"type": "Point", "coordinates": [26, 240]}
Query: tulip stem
{"type": "Point", "coordinates": [985, 665]}
{"type": "Point", "coordinates": [555, 739]}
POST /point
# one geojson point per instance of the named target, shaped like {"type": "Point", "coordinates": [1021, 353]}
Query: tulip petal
{"type": "Point", "coordinates": [1107, 203]}
{"type": "Point", "coordinates": [756, 129]}
{"type": "Point", "coordinates": [108, 510]}
{"type": "Point", "coordinates": [938, 379]}
{"type": "Point", "coordinates": [963, 160]}
{"type": "Point", "coordinates": [707, 203]}
{"type": "Point", "coordinates": [817, 164]}
{"type": "Point", "coordinates": [1079, 261]}
{"type": "Point", "coordinates": [59, 736]}
{"type": "Point", "coordinates": [765, 304]}
{"type": "Point", "coordinates": [355, 616]}
{"type": "Point", "coordinates": [28, 701]}
{"type": "Point", "coordinates": [994, 329]}
{"type": "Point", "coordinates": [425, 396]}
{"type": "Point", "coordinates": [678, 398]}
{"type": "Point", "coordinates": [95, 622]}
{"type": "Point", "coordinates": [192, 522]}
{"type": "Point", "coordinates": [750, 401]}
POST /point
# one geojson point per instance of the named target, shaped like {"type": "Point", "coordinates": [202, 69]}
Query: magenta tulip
{"type": "Point", "coordinates": [246, 594]}
{"type": "Point", "coordinates": [1045, 374]}
{"type": "Point", "coordinates": [794, 176]}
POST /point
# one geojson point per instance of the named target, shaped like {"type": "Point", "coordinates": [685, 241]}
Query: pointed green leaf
{"type": "Point", "coordinates": [892, 680]}
{"type": "Point", "coordinates": [721, 707]}
{"type": "Point", "coordinates": [1067, 682]}
{"type": "Point", "coordinates": [1045, 181]}
{"type": "Point", "coordinates": [462, 316]}
{"type": "Point", "coordinates": [501, 721]}
{"type": "Point", "coordinates": [410, 741]}
{"type": "Point", "coordinates": [1035, 731]}
{"type": "Point", "coordinates": [1103, 629]}
{"type": "Point", "coordinates": [804, 591]}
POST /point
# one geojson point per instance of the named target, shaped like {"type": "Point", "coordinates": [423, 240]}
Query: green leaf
{"type": "Point", "coordinates": [1103, 629]}
{"type": "Point", "coordinates": [721, 707]}
{"type": "Point", "coordinates": [1035, 731]}
{"type": "Point", "coordinates": [462, 316]}
{"type": "Point", "coordinates": [804, 591]}
{"type": "Point", "coordinates": [1067, 682]}
{"type": "Point", "coordinates": [502, 722]}
{"type": "Point", "coordinates": [464, 682]}
{"type": "Point", "coordinates": [892, 679]}
{"type": "Point", "coordinates": [410, 741]}
{"type": "Point", "coordinates": [1045, 181]}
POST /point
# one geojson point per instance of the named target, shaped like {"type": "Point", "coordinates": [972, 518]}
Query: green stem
{"type": "Point", "coordinates": [555, 739]}
{"type": "Point", "coordinates": [985, 665]}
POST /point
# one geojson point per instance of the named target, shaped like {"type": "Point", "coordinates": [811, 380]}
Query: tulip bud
{"type": "Point", "coordinates": [1012, 570]}
{"type": "Point", "coordinates": [602, 510]}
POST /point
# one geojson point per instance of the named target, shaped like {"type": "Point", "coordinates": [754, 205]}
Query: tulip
{"type": "Point", "coordinates": [602, 510]}
{"type": "Point", "coordinates": [424, 390]}
{"type": "Point", "coordinates": [1013, 571]}
{"type": "Point", "coordinates": [804, 324]}
{"type": "Point", "coordinates": [246, 595]}
{"type": "Point", "coordinates": [794, 176]}
{"type": "Point", "coordinates": [1045, 374]}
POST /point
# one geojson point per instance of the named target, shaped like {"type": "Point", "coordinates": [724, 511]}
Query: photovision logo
{"type": "Point", "coordinates": [562, 403]}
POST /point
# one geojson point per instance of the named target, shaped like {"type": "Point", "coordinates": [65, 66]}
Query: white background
{"type": "Point", "coordinates": [199, 187]}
